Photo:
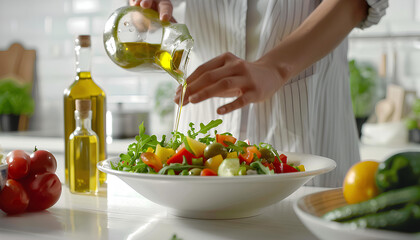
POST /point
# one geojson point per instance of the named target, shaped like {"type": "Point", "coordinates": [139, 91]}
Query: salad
{"type": "Point", "coordinates": [199, 153]}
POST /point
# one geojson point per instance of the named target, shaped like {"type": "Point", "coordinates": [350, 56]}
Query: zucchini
{"type": "Point", "coordinates": [398, 171]}
{"type": "Point", "coordinates": [393, 198]}
{"type": "Point", "coordinates": [405, 219]}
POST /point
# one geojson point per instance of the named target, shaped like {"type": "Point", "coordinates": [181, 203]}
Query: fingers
{"type": "Point", "coordinates": [223, 88]}
{"type": "Point", "coordinates": [240, 102]}
{"type": "Point", "coordinates": [146, 3]}
{"type": "Point", "coordinates": [214, 63]}
{"type": "Point", "coordinates": [165, 9]}
{"type": "Point", "coordinates": [210, 77]}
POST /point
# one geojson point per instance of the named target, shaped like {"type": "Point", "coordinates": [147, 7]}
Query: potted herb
{"type": "Point", "coordinates": [413, 123]}
{"type": "Point", "coordinates": [363, 91]}
{"type": "Point", "coordinates": [15, 100]}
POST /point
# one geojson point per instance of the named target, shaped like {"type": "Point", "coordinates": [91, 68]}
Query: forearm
{"type": "Point", "coordinates": [319, 34]}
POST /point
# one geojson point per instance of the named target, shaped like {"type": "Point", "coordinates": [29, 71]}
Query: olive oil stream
{"type": "Point", "coordinates": [140, 55]}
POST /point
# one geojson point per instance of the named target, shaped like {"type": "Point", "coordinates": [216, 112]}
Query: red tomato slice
{"type": "Point", "coordinates": [208, 172]}
{"type": "Point", "coordinates": [152, 160]}
{"type": "Point", "coordinates": [285, 168]}
{"type": "Point", "coordinates": [178, 156]}
{"type": "Point", "coordinates": [222, 138]}
{"type": "Point", "coordinates": [13, 198]}
{"type": "Point", "coordinates": [283, 158]}
{"type": "Point", "coordinates": [18, 162]}
{"type": "Point", "coordinates": [248, 156]}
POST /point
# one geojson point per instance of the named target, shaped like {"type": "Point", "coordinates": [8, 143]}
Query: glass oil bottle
{"type": "Point", "coordinates": [85, 88]}
{"type": "Point", "coordinates": [83, 151]}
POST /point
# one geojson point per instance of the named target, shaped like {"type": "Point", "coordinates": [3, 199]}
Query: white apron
{"type": "Point", "coordinates": [312, 113]}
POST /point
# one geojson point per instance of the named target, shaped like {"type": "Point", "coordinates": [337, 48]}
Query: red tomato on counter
{"type": "Point", "coordinates": [32, 184]}
{"type": "Point", "coordinates": [42, 161]}
{"type": "Point", "coordinates": [13, 198]}
{"type": "Point", "coordinates": [18, 162]}
{"type": "Point", "coordinates": [43, 189]}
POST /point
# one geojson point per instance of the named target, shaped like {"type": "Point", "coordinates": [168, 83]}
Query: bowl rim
{"type": "Point", "coordinates": [330, 165]}
{"type": "Point", "coordinates": [374, 233]}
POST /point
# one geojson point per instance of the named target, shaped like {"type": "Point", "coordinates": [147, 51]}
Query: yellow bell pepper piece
{"type": "Point", "coordinates": [232, 155]}
{"type": "Point", "coordinates": [164, 153]}
{"type": "Point", "coordinates": [301, 168]}
{"type": "Point", "coordinates": [214, 162]}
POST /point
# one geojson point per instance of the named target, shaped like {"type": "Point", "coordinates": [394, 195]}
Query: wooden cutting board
{"type": "Point", "coordinates": [18, 63]}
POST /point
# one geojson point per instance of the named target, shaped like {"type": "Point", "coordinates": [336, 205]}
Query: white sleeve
{"type": "Point", "coordinates": [375, 13]}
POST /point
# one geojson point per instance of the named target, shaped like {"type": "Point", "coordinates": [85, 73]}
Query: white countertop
{"type": "Point", "coordinates": [121, 213]}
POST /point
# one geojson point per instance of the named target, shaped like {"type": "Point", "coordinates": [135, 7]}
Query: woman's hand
{"type": "Point", "coordinates": [163, 7]}
{"type": "Point", "coordinates": [230, 76]}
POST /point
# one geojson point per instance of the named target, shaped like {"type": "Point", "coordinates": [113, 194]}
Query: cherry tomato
{"type": "Point", "coordinates": [18, 162]}
{"type": "Point", "coordinates": [248, 156]}
{"type": "Point", "coordinates": [151, 160]}
{"type": "Point", "coordinates": [222, 138]}
{"type": "Point", "coordinates": [208, 172]}
{"type": "Point", "coordinates": [42, 161]}
{"type": "Point", "coordinates": [13, 198]}
{"type": "Point", "coordinates": [44, 190]}
{"type": "Point", "coordinates": [359, 183]}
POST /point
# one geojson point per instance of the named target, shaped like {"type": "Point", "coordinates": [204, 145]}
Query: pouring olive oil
{"type": "Point", "coordinates": [135, 39]}
{"type": "Point", "coordinates": [140, 55]}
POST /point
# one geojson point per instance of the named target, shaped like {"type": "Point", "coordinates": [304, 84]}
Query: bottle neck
{"type": "Point", "coordinates": [83, 58]}
{"type": "Point", "coordinates": [83, 123]}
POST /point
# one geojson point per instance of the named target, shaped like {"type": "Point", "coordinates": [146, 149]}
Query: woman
{"type": "Point", "coordinates": [276, 71]}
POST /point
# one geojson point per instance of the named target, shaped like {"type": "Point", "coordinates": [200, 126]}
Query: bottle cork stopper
{"type": "Point", "coordinates": [84, 40]}
{"type": "Point", "coordinates": [83, 106]}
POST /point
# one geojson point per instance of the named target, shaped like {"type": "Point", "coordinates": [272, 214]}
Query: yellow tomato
{"type": "Point", "coordinates": [359, 183]}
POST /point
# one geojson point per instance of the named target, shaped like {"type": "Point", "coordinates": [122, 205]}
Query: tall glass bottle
{"type": "Point", "coordinates": [85, 88]}
{"type": "Point", "coordinates": [83, 151]}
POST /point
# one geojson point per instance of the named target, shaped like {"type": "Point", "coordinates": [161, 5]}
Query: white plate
{"type": "Point", "coordinates": [221, 197]}
{"type": "Point", "coordinates": [311, 207]}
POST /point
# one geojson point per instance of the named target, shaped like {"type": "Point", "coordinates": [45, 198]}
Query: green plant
{"type": "Point", "coordinates": [362, 86]}
{"type": "Point", "coordinates": [413, 121]}
{"type": "Point", "coordinates": [15, 98]}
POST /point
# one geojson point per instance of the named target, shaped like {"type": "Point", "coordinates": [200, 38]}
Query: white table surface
{"type": "Point", "coordinates": [120, 213]}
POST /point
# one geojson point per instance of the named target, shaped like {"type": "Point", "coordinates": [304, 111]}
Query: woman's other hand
{"type": "Point", "coordinates": [163, 7]}
{"type": "Point", "coordinates": [230, 76]}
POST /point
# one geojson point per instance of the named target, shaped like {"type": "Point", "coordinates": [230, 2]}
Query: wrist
{"type": "Point", "coordinates": [282, 69]}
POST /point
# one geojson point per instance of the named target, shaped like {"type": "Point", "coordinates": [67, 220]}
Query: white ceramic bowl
{"type": "Point", "coordinates": [311, 207]}
{"type": "Point", "coordinates": [221, 197]}
{"type": "Point", "coordinates": [3, 174]}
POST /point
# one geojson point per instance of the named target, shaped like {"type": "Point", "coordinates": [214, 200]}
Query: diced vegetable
{"type": "Point", "coordinates": [248, 156]}
{"type": "Point", "coordinates": [214, 162]}
{"type": "Point", "coordinates": [197, 148]}
{"type": "Point", "coordinates": [164, 153]}
{"type": "Point", "coordinates": [229, 167]}
{"type": "Point", "coordinates": [208, 172]}
{"type": "Point", "coordinates": [178, 157]}
{"type": "Point", "coordinates": [151, 160]}
{"type": "Point", "coordinates": [232, 155]}
{"type": "Point", "coordinates": [222, 138]}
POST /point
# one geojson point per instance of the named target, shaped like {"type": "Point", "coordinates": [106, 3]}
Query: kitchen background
{"type": "Point", "coordinates": [50, 26]}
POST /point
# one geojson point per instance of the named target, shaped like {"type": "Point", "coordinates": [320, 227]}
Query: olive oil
{"type": "Point", "coordinates": [83, 152]}
{"type": "Point", "coordinates": [85, 88]}
{"type": "Point", "coordinates": [138, 56]}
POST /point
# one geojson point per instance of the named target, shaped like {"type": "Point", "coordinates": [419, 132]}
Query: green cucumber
{"type": "Point", "coordinates": [383, 201]}
{"type": "Point", "coordinates": [405, 219]}
{"type": "Point", "coordinates": [398, 171]}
